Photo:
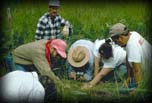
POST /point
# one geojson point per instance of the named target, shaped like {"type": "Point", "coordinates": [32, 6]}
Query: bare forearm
{"type": "Point", "coordinates": [136, 71]}
{"type": "Point", "coordinates": [96, 79]}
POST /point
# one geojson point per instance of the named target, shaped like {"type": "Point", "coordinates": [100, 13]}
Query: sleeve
{"type": "Point", "coordinates": [43, 67]}
{"type": "Point", "coordinates": [65, 22]}
{"type": "Point", "coordinates": [109, 64]}
{"type": "Point", "coordinates": [40, 29]}
{"type": "Point", "coordinates": [69, 67]}
{"type": "Point", "coordinates": [96, 49]}
{"type": "Point", "coordinates": [89, 72]}
{"type": "Point", "coordinates": [133, 53]}
{"type": "Point", "coordinates": [41, 64]}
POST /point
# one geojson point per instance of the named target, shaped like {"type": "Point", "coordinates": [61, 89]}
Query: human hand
{"type": "Point", "coordinates": [87, 86]}
{"type": "Point", "coordinates": [72, 75]}
{"type": "Point", "coordinates": [65, 31]}
{"type": "Point", "coordinates": [127, 82]}
{"type": "Point", "coordinates": [81, 78]}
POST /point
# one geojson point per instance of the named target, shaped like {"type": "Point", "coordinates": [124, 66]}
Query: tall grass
{"type": "Point", "coordinates": [90, 20]}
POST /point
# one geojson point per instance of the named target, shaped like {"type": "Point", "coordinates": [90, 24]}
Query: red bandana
{"type": "Point", "coordinates": [47, 51]}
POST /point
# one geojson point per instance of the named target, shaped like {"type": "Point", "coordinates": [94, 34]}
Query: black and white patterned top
{"type": "Point", "coordinates": [48, 28]}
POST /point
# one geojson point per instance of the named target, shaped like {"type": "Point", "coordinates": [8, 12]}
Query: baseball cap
{"type": "Point", "coordinates": [118, 29]}
{"type": "Point", "coordinates": [60, 47]}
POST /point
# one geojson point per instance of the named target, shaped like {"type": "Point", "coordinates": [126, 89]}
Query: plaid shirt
{"type": "Point", "coordinates": [48, 28]}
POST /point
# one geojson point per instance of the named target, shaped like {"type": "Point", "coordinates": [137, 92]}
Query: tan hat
{"type": "Point", "coordinates": [118, 29]}
{"type": "Point", "coordinates": [78, 56]}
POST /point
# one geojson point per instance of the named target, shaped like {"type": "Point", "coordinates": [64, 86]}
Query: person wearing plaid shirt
{"type": "Point", "coordinates": [50, 24]}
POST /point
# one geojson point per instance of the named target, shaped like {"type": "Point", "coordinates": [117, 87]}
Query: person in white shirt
{"type": "Point", "coordinates": [139, 51]}
{"type": "Point", "coordinates": [21, 87]}
{"type": "Point", "coordinates": [113, 56]}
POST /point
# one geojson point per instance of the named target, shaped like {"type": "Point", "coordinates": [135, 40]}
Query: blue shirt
{"type": "Point", "coordinates": [88, 70]}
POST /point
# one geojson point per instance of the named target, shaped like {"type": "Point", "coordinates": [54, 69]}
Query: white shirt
{"type": "Point", "coordinates": [19, 86]}
{"type": "Point", "coordinates": [86, 43]}
{"type": "Point", "coordinates": [138, 49]}
{"type": "Point", "coordinates": [119, 55]}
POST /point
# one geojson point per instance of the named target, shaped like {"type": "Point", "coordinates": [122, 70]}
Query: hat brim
{"type": "Point", "coordinates": [78, 64]}
{"type": "Point", "coordinates": [55, 5]}
{"type": "Point", "coordinates": [60, 52]}
{"type": "Point", "coordinates": [113, 35]}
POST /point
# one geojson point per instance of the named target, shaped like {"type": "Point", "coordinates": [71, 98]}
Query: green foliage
{"type": "Point", "coordinates": [90, 20]}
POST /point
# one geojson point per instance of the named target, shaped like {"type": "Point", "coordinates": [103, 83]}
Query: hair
{"type": "Point", "coordinates": [105, 49]}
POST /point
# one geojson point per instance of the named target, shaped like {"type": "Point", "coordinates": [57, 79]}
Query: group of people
{"type": "Point", "coordinates": [125, 53]}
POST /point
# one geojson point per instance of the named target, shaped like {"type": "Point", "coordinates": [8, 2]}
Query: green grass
{"type": "Point", "coordinates": [90, 20]}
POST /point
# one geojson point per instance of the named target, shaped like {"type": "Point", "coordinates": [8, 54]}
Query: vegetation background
{"type": "Point", "coordinates": [91, 19]}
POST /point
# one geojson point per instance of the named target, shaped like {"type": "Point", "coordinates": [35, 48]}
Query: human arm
{"type": "Point", "coordinates": [71, 72]}
{"type": "Point", "coordinates": [134, 60]}
{"type": "Point", "coordinates": [40, 29]}
{"type": "Point", "coordinates": [96, 65]}
{"type": "Point", "coordinates": [136, 71]}
{"type": "Point", "coordinates": [67, 28]}
{"type": "Point", "coordinates": [97, 78]}
{"type": "Point", "coordinates": [88, 73]}
{"type": "Point", "coordinates": [44, 68]}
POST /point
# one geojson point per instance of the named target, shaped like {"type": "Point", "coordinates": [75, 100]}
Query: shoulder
{"type": "Point", "coordinates": [134, 39]}
{"type": "Point", "coordinates": [99, 42]}
{"type": "Point", "coordinates": [44, 18]}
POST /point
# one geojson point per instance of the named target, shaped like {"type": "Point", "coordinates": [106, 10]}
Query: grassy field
{"type": "Point", "coordinates": [90, 20]}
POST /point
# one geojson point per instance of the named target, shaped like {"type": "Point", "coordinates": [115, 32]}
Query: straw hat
{"type": "Point", "coordinates": [78, 56]}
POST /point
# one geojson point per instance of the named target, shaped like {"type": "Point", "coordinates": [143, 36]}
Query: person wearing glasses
{"type": "Point", "coordinates": [112, 56]}
{"type": "Point", "coordinates": [139, 52]}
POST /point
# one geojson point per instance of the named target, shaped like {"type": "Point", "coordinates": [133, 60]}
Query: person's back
{"type": "Point", "coordinates": [19, 86]}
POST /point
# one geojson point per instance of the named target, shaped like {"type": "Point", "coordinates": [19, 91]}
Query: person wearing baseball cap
{"type": "Point", "coordinates": [139, 51]}
{"type": "Point", "coordinates": [81, 60]}
{"type": "Point", "coordinates": [51, 23]}
{"type": "Point", "coordinates": [36, 56]}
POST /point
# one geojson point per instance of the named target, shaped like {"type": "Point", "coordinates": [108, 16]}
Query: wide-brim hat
{"type": "Point", "coordinates": [118, 29]}
{"type": "Point", "coordinates": [78, 56]}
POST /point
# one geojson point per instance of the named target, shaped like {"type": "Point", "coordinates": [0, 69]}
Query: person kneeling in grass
{"type": "Point", "coordinates": [81, 60]}
{"type": "Point", "coordinates": [139, 53]}
{"type": "Point", "coordinates": [36, 56]}
{"type": "Point", "coordinates": [113, 58]}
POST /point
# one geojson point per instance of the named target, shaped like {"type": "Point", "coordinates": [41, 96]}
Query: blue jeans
{"type": "Point", "coordinates": [12, 66]}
